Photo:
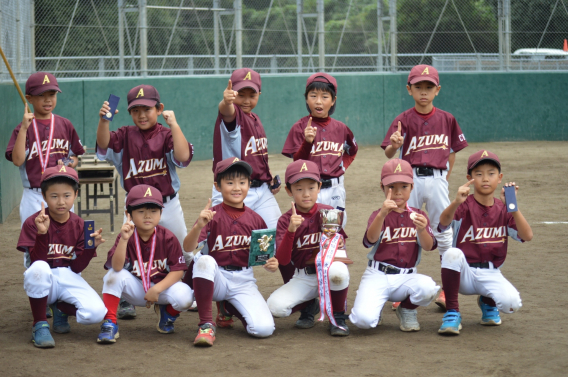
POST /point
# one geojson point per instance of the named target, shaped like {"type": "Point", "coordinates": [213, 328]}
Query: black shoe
{"type": "Point", "coordinates": [340, 318]}
{"type": "Point", "coordinates": [306, 320]}
{"type": "Point", "coordinates": [126, 310]}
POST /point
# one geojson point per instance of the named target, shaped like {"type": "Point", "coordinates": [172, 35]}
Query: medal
{"type": "Point", "coordinates": [145, 275]}
{"type": "Point", "coordinates": [44, 161]}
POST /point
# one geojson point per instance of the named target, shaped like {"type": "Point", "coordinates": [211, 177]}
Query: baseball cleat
{"type": "Point", "coordinates": [205, 335]}
{"type": "Point", "coordinates": [48, 312]}
{"type": "Point", "coordinates": [224, 319]}
{"type": "Point", "coordinates": [165, 319]}
{"type": "Point", "coordinates": [126, 310]}
{"type": "Point", "coordinates": [60, 320]}
{"type": "Point", "coordinates": [489, 314]}
{"type": "Point", "coordinates": [41, 337]}
{"type": "Point", "coordinates": [395, 305]}
{"type": "Point", "coordinates": [408, 319]}
{"type": "Point", "coordinates": [109, 332]}
{"type": "Point", "coordinates": [341, 329]}
{"type": "Point", "coordinates": [441, 300]}
{"type": "Point", "coordinates": [451, 323]}
{"type": "Point", "coordinates": [306, 320]}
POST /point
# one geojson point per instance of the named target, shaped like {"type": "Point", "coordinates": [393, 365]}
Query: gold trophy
{"type": "Point", "coordinates": [331, 223]}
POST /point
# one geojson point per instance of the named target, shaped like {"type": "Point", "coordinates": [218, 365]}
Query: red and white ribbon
{"type": "Point", "coordinates": [145, 272]}
{"type": "Point", "coordinates": [324, 259]}
{"type": "Point", "coordinates": [44, 161]}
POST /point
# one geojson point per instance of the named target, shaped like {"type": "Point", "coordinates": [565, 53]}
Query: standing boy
{"type": "Point", "coordinates": [56, 244]}
{"type": "Point", "coordinates": [298, 242]}
{"type": "Point", "coordinates": [145, 265]}
{"type": "Point", "coordinates": [46, 140]}
{"type": "Point", "coordinates": [481, 224]}
{"type": "Point", "coordinates": [428, 138]}
{"type": "Point", "coordinates": [220, 271]}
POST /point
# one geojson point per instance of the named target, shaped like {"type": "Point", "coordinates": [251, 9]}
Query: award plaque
{"type": "Point", "coordinates": [89, 229]}
{"type": "Point", "coordinates": [262, 246]}
{"type": "Point", "coordinates": [331, 223]}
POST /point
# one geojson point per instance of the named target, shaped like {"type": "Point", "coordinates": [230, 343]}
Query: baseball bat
{"type": "Point", "coordinates": [12, 75]}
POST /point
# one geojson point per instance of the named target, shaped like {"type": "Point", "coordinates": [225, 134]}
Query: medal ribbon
{"type": "Point", "coordinates": [324, 259]}
{"type": "Point", "coordinates": [145, 275]}
{"type": "Point", "coordinates": [44, 161]}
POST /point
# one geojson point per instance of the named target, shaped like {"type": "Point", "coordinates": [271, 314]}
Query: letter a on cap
{"type": "Point", "coordinates": [425, 71]}
{"type": "Point", "coordinates": [63, 169]}
{"type": "Point", "coordinates": [148, 192]}
{"type": "Point", "coordinates": [484, 154]}
{"type": "Point", "coordinates": [235, 160]}
{"type": "Point", "coordinates": [140, 93]}
{"type": "Point", "coordinates": [45, 80]}
{"type": "Point", "coordinates": [247, 77]}
{"type": "Point", "coordinates": [398, 169]}
{"type": "Point", "coordinates": [304, 167]}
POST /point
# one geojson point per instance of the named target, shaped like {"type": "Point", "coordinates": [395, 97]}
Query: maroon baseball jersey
{"type": "Point", "coordinates": [329, 145]}
{"type": "Point", "coordinates": [227, 239]}
{"type": "Point", "coordinates": [143, 157]}
{"type": "Point", "coordinates": [306, 239]}
{"type": "Point", "coordinates": [481, 232]}
{"type": "Point", "coordinates": [65, 242]}
{"type": "Point", "coordinates": [245, 139]}
{"type": "Point", "coordinates": [428, 140]}
{"type": "Point", "coordinates": [167, 255]}
{"type": "Point", "coordinates": [398, 243]}
{"type": "Point", "coordinates": [65, 143]}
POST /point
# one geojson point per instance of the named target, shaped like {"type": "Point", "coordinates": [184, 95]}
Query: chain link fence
{"type": "Point", "coordinates": [90, 38]}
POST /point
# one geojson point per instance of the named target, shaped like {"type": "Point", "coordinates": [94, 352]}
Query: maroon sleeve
{"type": "Point", "coordinates": [284, 241]}
{"type": "Point", "coordinates": [83, 256]}
{"type": "Point", "coordinates": [366, 242]}
{"type": "Point", "coordinates": [116, 141]}
{"type": "Point", "coordinates": [204, 231]}
{"type": "Point", "coordinates": [176, 261]}
{"type": "Point", "coordinates": [458, 139]}
{"type": "Point", "coordinates": [41, 246]}
{"type": "Point", "coordinates": [429, 230]}
{"type": "Point", "coordinates": [76, 145]}
{"type": "Point", "coordinates": [392, 129]}
{"type": "Point", "coordinates": [108, 264]}
{"type": "Point", "coordinates": [12, 142]}
{"type": "Point", "coordinates": [304, 152]}
{"type": "Point", "coordinates": [295, 139]}
{"type": "Point", "coordinates": [28, 234]}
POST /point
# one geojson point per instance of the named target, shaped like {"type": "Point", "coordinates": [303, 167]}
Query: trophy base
{"type": "Point", "coordinates": [340, 256]}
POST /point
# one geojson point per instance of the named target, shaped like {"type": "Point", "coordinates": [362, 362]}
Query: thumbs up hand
{"type": "Point", "coordinates": [229, 95]}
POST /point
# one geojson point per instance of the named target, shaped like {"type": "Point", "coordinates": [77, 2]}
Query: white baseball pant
{"type": "Point", "coordinates": [260, 200]}
{"type": "Point", "coordinates": [433, 190]}
{"type": "Point", "coordinates": [303, 287]}
{"type": "Point", "coordinates": [240, 289]}
{"type": "Point", "coordinates": [31, 204]}
{"type": "Point", "coordinates": [488, 282]}
{"type": "Point", "coordinates": [124, 284]}
{"type": "Point", "coordinates": [62, 284]}
{"type": "Point", "coordinates": [376, 288]}
{"type": "Point", "coordinates": [335, 195]}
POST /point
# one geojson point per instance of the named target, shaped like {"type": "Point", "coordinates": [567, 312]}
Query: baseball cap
{"type": "Point", "coordinates": [222, 166]}
{"type": "Point", "coordinates": [144, 194]}
{"type": "Point", "coordinates": [396, 170]}
{"type": "Point", "coordinates": [59, 171]}
{"type": "Point", "coordinates": [143, 95]}
{"type": "Point", "coordinates": [246, 78]}
{"type": "Point", "coordinates": [482, 155]}
{"type": "Point", "coordinates": [423, 72]}
{"type": "Point", "coordinates": [301, 169]}
{"type": "Point", "coordinates": [41, 82]}
{"type": "Point", "coordinates": [322, 77]}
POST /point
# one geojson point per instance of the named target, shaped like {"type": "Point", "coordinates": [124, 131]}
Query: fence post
{"type": "Point", "coordinates": [321, 35]}
{"type": "Point", "coordinates": [190, 65]}
{"type": "Point", "coordinates": [393, 31]}
{"type": "Point", "coordinates": [299, 19]}
{"type": "Point", "coordinates": [273, 64]}
{"type": "Point", "coordinates": [101, 66]}
{"type": "Point", "coordinates": [121, 37]}
{"type": "Point", "coordinates": [238, 6]}
{"type": "Point", "coordinates": [32, 38]}
{"type": "Point", "coordinates": [380, 35]}
{"type": "Point", "coordinates": [500, 31]}
{"type": "Point", "coordinates": [507, 41]}
{"type": "Point", "coordinates": [143, 37]}
{"type": "Point", "coordinates": [216, 34]}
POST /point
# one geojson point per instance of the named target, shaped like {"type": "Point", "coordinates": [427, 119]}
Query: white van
{"type": "Point", "coordinates": [541, 53]}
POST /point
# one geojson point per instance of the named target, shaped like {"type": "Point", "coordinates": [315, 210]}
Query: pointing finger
{"type": "Point", "coordinates": [389, 194]}
{"type": "Point", "coordinates": [27, 110]}
{"type": "Point", "coordinates": [293, 209]}
{"type": "Point", "coordinates": [309, 122]}
{"type": "Point", "coordinates": [128, 218]}
{"type": "Point", "coordinates": [399, 126]}
{"type": "Point", "coordinates": [230, 86]}
{"type": "Point", "coordinates": [42, 208]}
{"type": "Point", "coordinates": [208, 204]}
{"type": "Point", "coordinates": [469, 183]}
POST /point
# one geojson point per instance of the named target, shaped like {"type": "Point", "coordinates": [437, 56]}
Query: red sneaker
{"type": "Point", "coordinates": [395, 305]}
{"type": "Point", "coordinates": [205, 336]}
{"type": "Point", "coordinates": [441, 300]}
{"type": "Point", "coordinates": [224, 319]}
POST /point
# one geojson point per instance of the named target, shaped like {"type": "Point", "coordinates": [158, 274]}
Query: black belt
{"type": "Point", "coordinates": [165, 198]}
{"type": "Point", "coordinates": [256, 183]}
{"type": "Point", "coordinates": [310, 270]}
{"type": "Point", "coordinates": [479, 265]}
{"type": "Point", "coordinates": [326, 183]}
{"type": "Point", "coordinates": [389, 270]}
{"type": "Point", "coordinates": [233, 268]}
{"type": "Point", "coordinates": [425, 172]}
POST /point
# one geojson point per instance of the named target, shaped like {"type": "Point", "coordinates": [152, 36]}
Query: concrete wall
{"type": "Point", "coordinates": [488, 107]}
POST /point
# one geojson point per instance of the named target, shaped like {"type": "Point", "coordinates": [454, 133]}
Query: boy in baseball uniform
{"type": "Point", "coordinates": [220, 270]}
{"type": "Point", "coordinates": [147, 153]}
{"type": "Point", "coordinates": [481, 226]}
{"type": "Point", "coordinates": [46, 140]}
{"type": "Point", "coordinates": [396, 235]}
{"type": "Point", "coordinates": [55, 241]}
{"type": "Point", "coordinates": [145, 265]}
{"type": "Point", "coordinates": [298, 242]}
{"type": "Point", "coordinates": [428, 138]}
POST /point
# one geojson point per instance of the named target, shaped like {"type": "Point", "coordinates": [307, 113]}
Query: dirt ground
{"type": "Point", "coordinates": [533, 341]}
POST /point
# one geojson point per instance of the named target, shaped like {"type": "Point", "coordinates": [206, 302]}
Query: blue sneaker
{"type": "Point", "coordinates": [451, 323]}
{"type": "Point", "coordinates": [60, 320]}
{"type": "Point", "coordinates": [41, 337]}
{"type": "Point", "coordinates": [48, 312]}
{"type": "Point", "coordinates": [165, 319]}
{"type": "Point", "coordinates": [489, 314]}
{"type": "Point", "coordinates": [109, 332]}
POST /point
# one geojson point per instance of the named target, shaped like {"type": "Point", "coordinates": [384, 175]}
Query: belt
{"type": "Point", "coordinates": [168, 198]}
{"type": "Point", "coordinates": [479, 265]}
{"type": "Point", "coordinates": [256, 183]}
{"type": "Point", "coordinates": [309, 270]}
{"type": "Point", "coordinates": [390, 270]}
{"type": "Point", "coordinates": [36, 189]}
{"type": "Point", "coordinates": [233, 268]}
{"type": "Point", "coordinates": [425, 172]}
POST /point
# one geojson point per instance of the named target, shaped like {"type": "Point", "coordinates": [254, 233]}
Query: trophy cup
{"type": "Point", "coordinates": [331, 223]}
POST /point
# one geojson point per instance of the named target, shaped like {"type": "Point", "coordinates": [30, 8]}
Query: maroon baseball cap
{"type": "Point", "coordinates": [60, 171]}
{"type": "Point", "coordinates": [423, 72]}
{"type": "Point", "coordinates": [144, 194]}
{"type": "Point", "coordinates": [246, 78]}
{"type": "Point", "coordinates": [396, 170]}
{"type": "Point", "coordinates": [41, 82]}
{"type": "Point", "coordinates": [322, 77]}
{"type": "Point", "coordinates": [143, 95]}
{"type": "Point", "coordinates": [222, 166]}
{"type": "Point", "coordinates": [301, 169]}
{"type": "Point", "coordinates": [482, 155]}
